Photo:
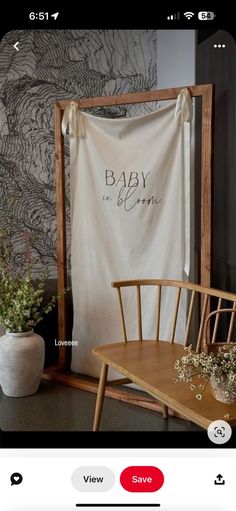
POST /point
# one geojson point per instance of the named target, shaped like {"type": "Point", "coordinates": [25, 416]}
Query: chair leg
{"type": "Point", "coordinates": [165, 411]}
{"type": "Point", "coordinates": [100, 396]}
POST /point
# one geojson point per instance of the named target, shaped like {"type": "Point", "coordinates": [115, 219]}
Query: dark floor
{"type": "Point", "coordinates": [57, 407]}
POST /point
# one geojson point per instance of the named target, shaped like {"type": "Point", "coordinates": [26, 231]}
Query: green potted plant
{"type": "Point", "coordinates": [22, 351]}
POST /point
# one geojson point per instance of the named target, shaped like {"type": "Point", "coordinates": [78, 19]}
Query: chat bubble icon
{"type": "Point", "coordinates": [16, 478]}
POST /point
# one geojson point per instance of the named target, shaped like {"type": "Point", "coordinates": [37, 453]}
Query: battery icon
{"type": "Point", "coordinates": [206, 15]}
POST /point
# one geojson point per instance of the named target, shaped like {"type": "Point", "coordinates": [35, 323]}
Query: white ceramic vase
{"type": "Point", "coordinates": [21, 363]}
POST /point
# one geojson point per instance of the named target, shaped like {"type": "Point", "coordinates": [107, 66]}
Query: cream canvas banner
{"type": "Point", "coordinates": [130, 209]}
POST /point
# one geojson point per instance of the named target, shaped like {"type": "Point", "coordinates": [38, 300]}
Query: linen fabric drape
{"type": "Point", "coordinates": [130, 217]}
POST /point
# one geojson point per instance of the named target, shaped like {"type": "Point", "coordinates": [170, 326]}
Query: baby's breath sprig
{"type": "Point", "coordinates": [221, 365]}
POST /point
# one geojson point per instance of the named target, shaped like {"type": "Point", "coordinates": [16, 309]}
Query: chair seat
{"type": "Point", "coordinates": [150, 364]}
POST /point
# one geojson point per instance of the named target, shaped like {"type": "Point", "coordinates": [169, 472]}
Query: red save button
{"type": "Point", "coordinates": [142, 479]}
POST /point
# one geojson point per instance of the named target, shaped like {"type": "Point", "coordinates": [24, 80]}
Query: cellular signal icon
{"type": "Point", "coordinates": [188, 15]}
{"type": "Point", "coordinates": [175, 16]}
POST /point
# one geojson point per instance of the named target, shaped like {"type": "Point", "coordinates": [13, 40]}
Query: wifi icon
{"type": "Point", "coordinates": [188, 15]}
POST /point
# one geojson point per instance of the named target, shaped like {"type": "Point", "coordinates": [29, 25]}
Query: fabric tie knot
{"type": "Point", "coordinates": [184, 107]}
{"type": "Point", "coordinates": [72, 118]}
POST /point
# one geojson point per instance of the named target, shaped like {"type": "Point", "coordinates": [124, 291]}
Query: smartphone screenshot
{"type": "Point", "coordinates": [117, 261]}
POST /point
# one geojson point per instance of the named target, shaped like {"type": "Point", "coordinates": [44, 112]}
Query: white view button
{"type": "Point", "coordinates": [93, 479]}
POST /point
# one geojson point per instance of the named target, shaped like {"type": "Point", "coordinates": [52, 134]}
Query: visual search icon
{"type": "Point", "coordinates": [219, 432]}
{"type": "Point", "coordinates": [16, 478]}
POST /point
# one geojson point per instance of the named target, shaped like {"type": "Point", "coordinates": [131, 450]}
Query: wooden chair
{"type": "Point", "coordinates": [150, 363]}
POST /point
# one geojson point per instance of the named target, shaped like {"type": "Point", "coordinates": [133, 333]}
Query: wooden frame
{"type": "Point", "coordinates": [205, 92]}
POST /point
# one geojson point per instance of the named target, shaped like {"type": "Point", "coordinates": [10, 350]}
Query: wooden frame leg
{"type": "Point", "coordinates": [165, 411]}
{"type": "Point", "coordinates": [100, 396]}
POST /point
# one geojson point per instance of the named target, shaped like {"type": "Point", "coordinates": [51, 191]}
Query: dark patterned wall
{"type": "Point", "coordinates": [52, 65]}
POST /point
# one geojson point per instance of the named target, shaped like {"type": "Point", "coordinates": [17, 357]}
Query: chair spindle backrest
{"type": "Point", "coordinates": [198, 302]}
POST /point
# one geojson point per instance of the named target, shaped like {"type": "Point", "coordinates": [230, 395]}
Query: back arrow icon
{"type": "Point", "coordinates": [16, 46]}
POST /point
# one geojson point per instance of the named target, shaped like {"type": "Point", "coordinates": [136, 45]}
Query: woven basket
{"type": "Point", "coordinates": [218, 391]}
{"type": "Point", "coordinates": [212, 347]}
